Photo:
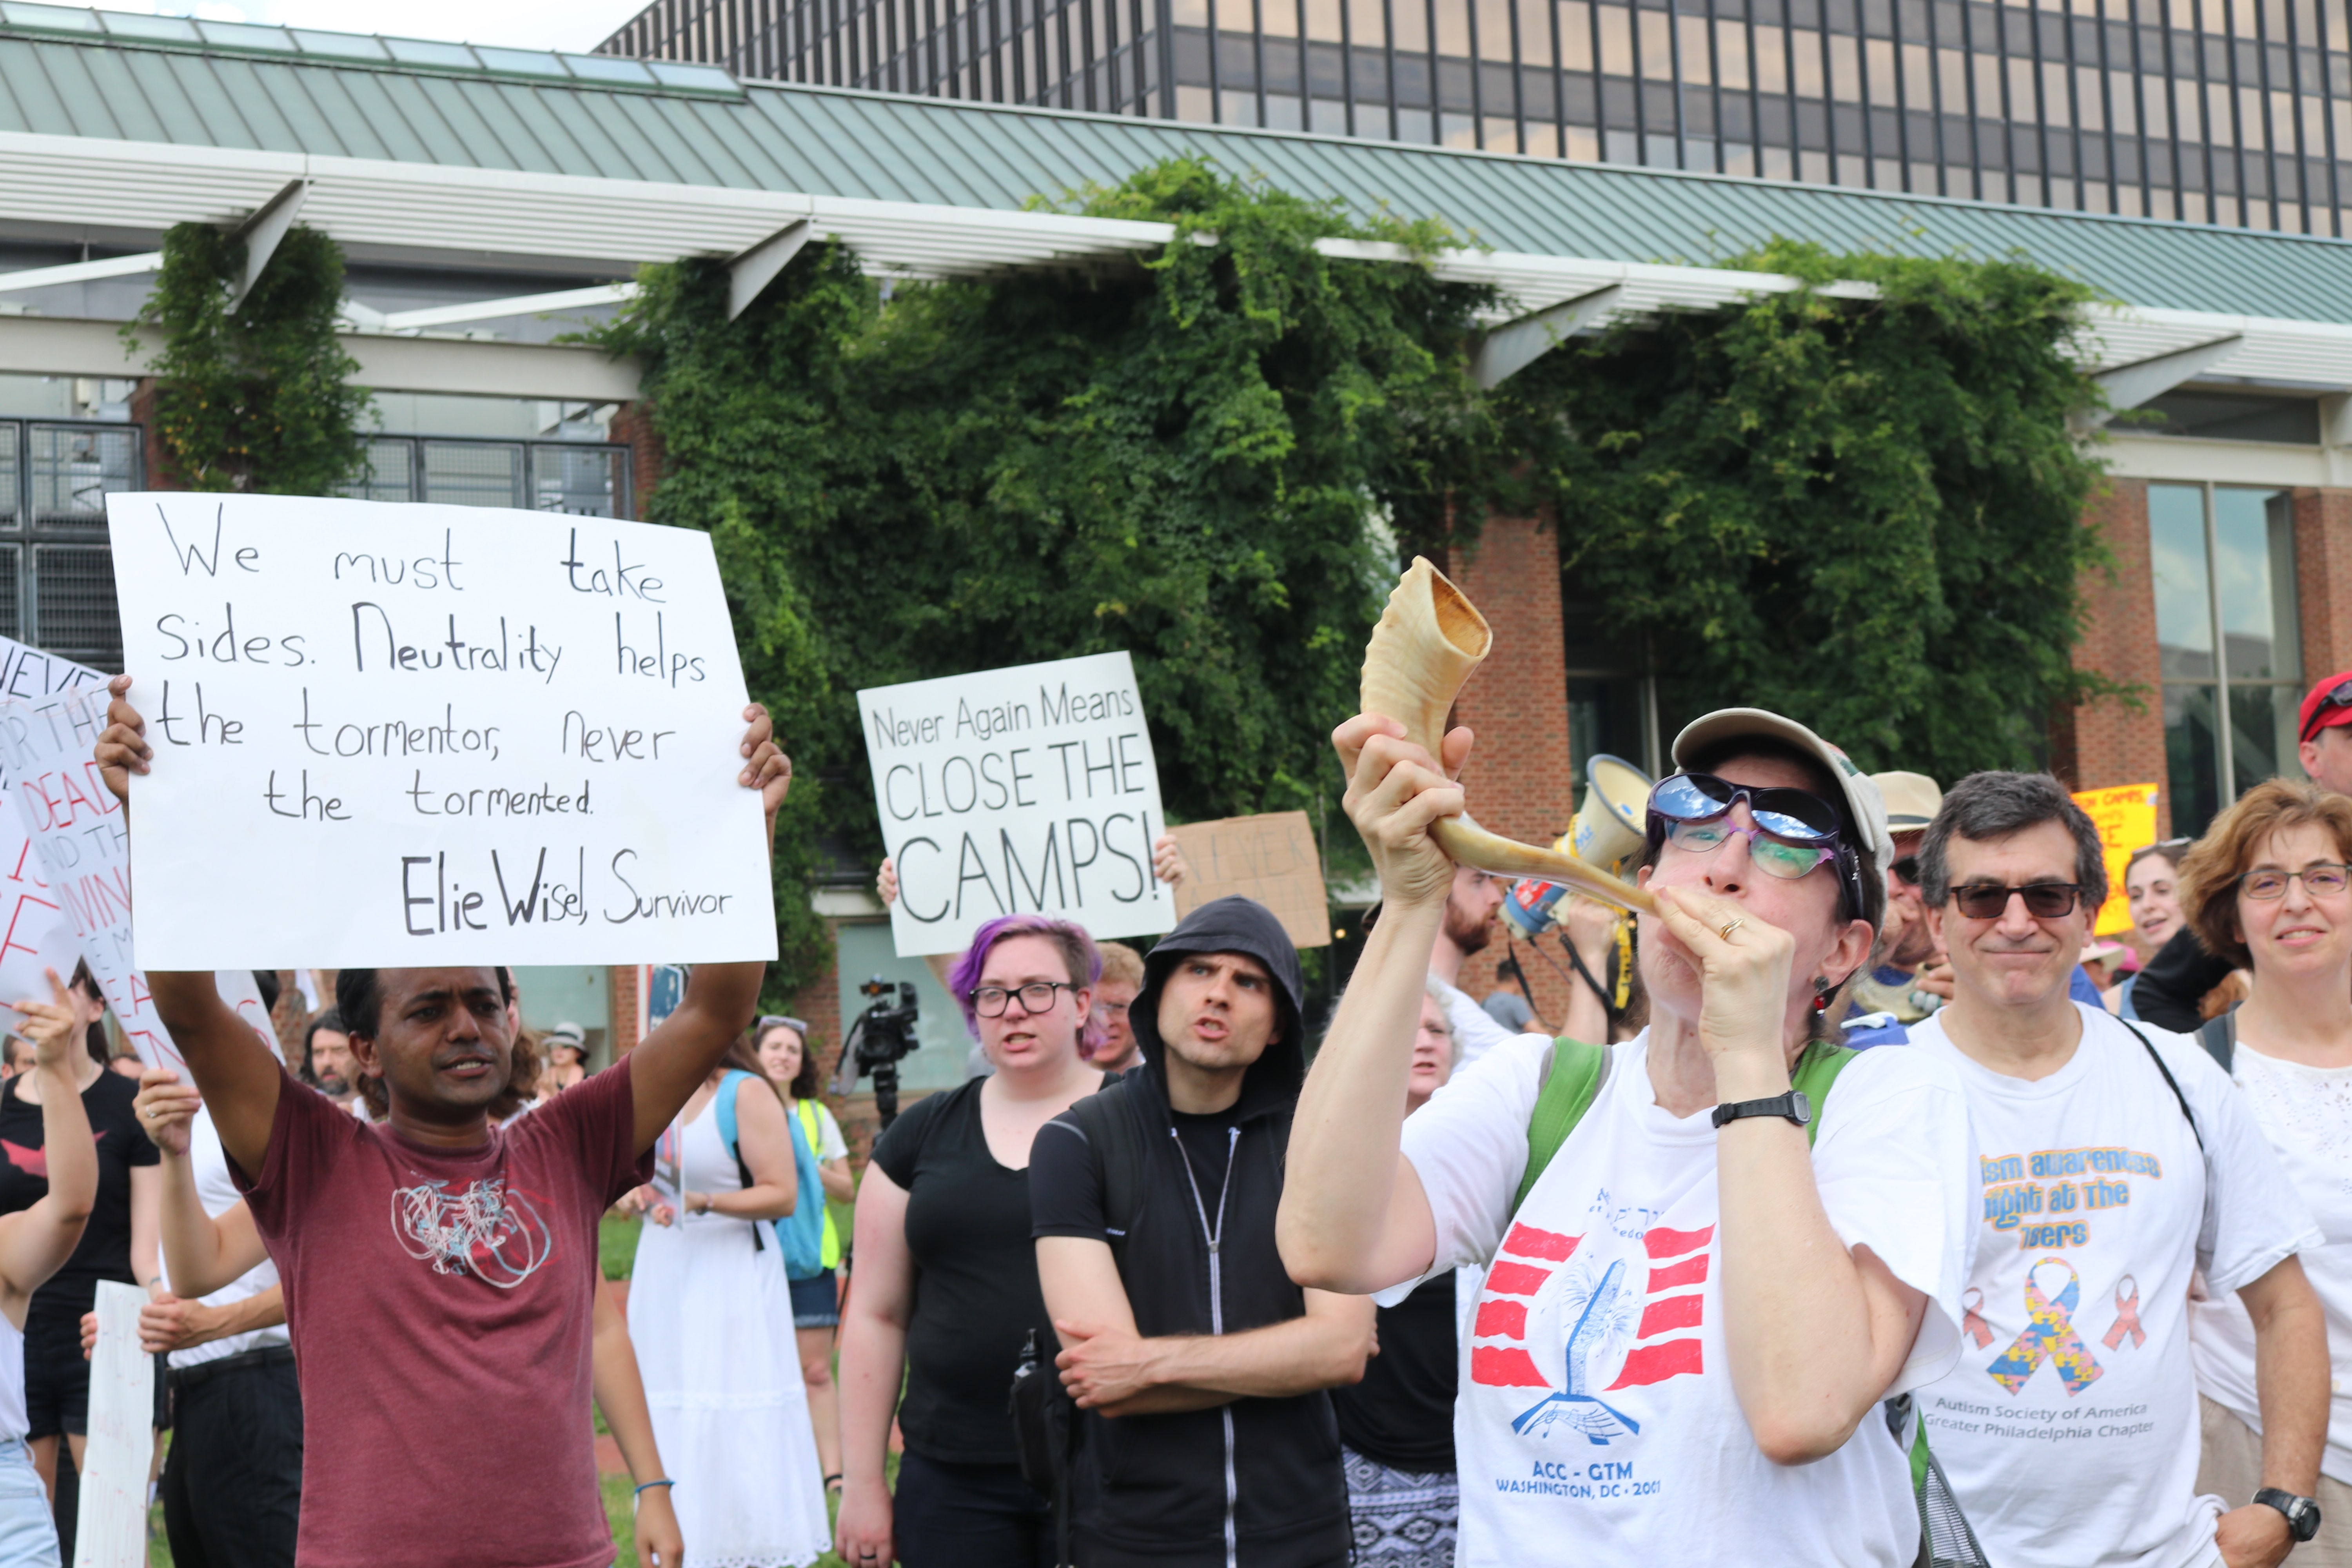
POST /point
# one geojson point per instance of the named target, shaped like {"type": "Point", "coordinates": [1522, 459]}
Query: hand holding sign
{"type": "Point", "coordinates": [54, 1026]}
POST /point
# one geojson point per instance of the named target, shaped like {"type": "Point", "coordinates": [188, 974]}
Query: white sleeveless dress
{"type": "Point", "coordinates": [711, 1320]}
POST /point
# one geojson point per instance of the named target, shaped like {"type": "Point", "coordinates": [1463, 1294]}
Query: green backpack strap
{"type": "Point", "coordinates": [1571, 1082]}
{"type": "Point", "coordinates": [1816, 1069]}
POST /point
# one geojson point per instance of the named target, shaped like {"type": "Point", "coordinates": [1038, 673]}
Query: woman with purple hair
{"type": "Point", "coordinates": [945, 1291]}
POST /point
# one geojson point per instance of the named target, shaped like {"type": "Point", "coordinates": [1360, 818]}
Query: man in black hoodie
{"type": "Point", "coordinates": [1208, 1439]}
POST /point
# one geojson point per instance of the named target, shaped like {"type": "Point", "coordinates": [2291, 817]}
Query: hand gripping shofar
{"type": "Point", "coordinates": [1428, 641]}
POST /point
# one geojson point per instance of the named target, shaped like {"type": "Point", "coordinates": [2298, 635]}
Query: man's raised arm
{"type": "Point", "coordinates": [666, 1070]}
{"type": "Point", "coordinates": [238, 1074]}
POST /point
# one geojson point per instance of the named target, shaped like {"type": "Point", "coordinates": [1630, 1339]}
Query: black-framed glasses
{"type": "Point", "coordinates": [2338, 696]}
{"type": "Point", "coordinates": [2043, 900]}
{"type": "Point", "coordinates": [1037, 996]}
{"type": "Point", "coordinates": [2319, 882]}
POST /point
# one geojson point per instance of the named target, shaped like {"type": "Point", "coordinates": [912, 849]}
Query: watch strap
{"type": "Point", "coordinates": [2301, 1513]}
{"type": "Point", "coordinates": [1793, 1106]}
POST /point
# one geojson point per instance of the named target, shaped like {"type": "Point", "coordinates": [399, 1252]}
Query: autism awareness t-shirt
{"type": "Point", "coordinates": [440, 1302]}
{"type": "Point", "coordinates": [2306, 1113]}
{"type": "Point", "coordinates": [2069, 1428]}
{"type": "Point", "coordinates": [1596, 1422]}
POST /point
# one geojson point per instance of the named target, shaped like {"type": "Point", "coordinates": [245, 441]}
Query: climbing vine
{"type": "Point", "coordinates": [254, 397]}
{"type": "Point", "coordinates": [1866, 514]}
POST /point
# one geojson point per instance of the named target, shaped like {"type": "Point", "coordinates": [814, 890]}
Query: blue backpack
{"type": "Point", "coordinates": [802, 1232]}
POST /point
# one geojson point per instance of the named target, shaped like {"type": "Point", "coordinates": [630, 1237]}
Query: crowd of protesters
{"type": "Point", "coordinates": [1872, 1230]}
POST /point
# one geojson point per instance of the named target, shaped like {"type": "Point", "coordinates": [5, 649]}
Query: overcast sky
{"type": "Point", "coordinates": [578, 24]}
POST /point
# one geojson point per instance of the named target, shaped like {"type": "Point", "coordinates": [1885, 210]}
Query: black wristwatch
{"type": "Point", "coordinates": [2301, 1513]}
{"type": "Point", "coordinates": [1792, 1105]}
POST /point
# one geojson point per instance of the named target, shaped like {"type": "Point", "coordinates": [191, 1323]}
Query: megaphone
{"type": "Point", "coordinates": [1608, 833]}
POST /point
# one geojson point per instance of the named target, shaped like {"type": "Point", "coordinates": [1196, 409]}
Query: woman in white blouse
{"type": "Point", "coordinates": [2267, 886]}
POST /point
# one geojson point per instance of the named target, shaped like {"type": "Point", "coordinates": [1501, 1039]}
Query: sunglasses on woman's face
{"type": "Point", "coordinates": [1795, 830]}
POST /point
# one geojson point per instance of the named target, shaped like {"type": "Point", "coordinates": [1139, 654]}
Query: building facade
{"type": "Point", "coordinates": [2225, 111]}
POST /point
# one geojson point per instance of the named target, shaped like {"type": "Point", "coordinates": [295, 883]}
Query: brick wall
{"type": "Point", "coordinates": [1519, 781]}
{"type": "Point", "coordinates": [633, 428]}
{"type": "Point", "coordinates": [621, 998]}
{"type": "Point", "coordinates": [2323, 568]}
{"type": "Point", "coordinates": [2104, 743]}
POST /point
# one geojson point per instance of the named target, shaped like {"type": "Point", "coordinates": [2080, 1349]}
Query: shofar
{"type": "Point", "coordinates": [1428, 641]}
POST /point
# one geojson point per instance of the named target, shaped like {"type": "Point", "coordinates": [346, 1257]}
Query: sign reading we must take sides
{"type": "Point", "coordinates": [1027, 789]}
{"type": "Point", "coordinates": [411, 734]}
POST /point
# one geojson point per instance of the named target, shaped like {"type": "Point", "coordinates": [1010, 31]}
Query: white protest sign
{"type": "Point", "coordinates": [110, 1530]}
{"type": "Point", "coordinates": [73, 830]}
{"type": "Point", "coordinates": [1027, 789]}
{"type": "Point", "coordinates": [433, 734]}
{"type": "Point", "coordinates": [34, 934]}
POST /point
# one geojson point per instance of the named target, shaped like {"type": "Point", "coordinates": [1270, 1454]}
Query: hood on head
{"type": "Point", "coordinates": [1232, 924]}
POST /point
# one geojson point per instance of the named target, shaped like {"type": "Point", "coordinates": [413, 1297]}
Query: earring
{"type": "Point", "coordinates": [1821, 990]}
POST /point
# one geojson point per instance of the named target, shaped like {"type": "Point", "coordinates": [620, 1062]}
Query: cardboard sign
{"type": "Point", "coordinates": [1270, 858]}
{"type": "Point", "coordinates": [73, 831]}
{"type": "Point", "coordinates": [2124, 815]}
{"type": "Point", "coordinates": [1026, 789]}
{"type": "Point", "coordinates": [433, 734]}
{"type": "Point", "coordinates": [110, 1529]}
{"type": "Point", "coordinates": [35, 933]}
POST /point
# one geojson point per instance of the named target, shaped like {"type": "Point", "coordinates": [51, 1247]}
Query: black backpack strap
{"type": "Point", "coordinates": [2169, 1081]}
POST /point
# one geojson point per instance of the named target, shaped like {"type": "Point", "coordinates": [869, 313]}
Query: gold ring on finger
{"type": "Point", "coordinates": [1733, 924]}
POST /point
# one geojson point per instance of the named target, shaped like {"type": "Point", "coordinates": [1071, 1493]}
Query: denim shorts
{"type": "Point", "coordinates": [816, 1304]}
{"type": "Point", "coordinates": [29, 1533]}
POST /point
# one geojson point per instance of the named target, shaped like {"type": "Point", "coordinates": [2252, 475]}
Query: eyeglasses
{"type": "Point", "coordinates": [989, 1001]}
{"type": "Point", "coordinates": [2339, 697]}
{"type": "Point", "coordinates": [2043, 900]}
{"type": "Point", "coordinates": [2319, 882]}
{"type": "Point", "coordinates": [1906, 870]}
{"type": "Point", "coordinates": [1797, 816]}
{"type": "Point", "coordinates": [1107, 1010]}
{"type": "Point", "coordinates": [772, 1020]}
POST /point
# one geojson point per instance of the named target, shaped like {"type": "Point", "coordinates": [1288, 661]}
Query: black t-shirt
{"type": "Point", "coordinates": [1403, 1413]}
{"type": "Point", "coordinates": [105, 1249]}
{"type": "Point", "coordinates": [976, 1296]}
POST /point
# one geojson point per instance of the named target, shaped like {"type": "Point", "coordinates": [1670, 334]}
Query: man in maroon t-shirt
{"type": "Point", "coordinates": [440, 1272]}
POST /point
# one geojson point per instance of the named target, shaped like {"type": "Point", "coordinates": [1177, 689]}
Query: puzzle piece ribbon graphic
{"type": "Point", "coordinates": [2126, 1316]}
{"type": "Point", "coordinates": [2049, 1335]}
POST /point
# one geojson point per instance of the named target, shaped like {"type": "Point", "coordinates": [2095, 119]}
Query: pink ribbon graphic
{"type": "Point", "coordinates": [1973, 1321]}
{"type": "Point", "coordinates": [2049, 1335]}
{"type": "Point", "coordinates": [2126, 1316]}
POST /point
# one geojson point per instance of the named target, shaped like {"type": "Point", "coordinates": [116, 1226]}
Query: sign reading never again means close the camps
{"type": "Point", "coordinates": [1029, 789]}
{"type": "Point", "coordinates": [432, 734]}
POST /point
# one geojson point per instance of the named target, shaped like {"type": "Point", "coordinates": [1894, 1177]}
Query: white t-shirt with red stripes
{"type": "Point", "coordinates": [1596, 1422]}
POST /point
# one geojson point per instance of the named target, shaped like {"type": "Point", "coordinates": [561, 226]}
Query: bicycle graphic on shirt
{"type": "Point", "coordinates": [498, 1237]}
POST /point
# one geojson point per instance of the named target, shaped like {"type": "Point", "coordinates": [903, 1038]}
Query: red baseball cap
{"type": "Point", "coordinates": [2327, 705]}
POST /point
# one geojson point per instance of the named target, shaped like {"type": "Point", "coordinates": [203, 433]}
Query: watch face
{"type": "Point", "coordinates": [2304, 1515]}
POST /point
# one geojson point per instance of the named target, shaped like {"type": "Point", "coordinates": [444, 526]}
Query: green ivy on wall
{"type": "Point", "coordinates": [255, 398]}
{"type": "Point", "coordinates": [1198, 460]}
{"type": "Point", "coordinates": [1867, 515]}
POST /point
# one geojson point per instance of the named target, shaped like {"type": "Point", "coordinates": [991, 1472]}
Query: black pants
{"type": "Point", "coordinates": [969, 1516]}
{"type": "Point", "coordinates": [233, 1481]}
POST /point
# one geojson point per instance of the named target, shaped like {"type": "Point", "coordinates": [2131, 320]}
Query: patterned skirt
{"type": "Point", "coordinates": [1401, 1518]}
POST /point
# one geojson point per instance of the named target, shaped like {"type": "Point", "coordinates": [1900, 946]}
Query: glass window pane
{"type": "Point", "coordinates": [390, 474]}
{"type": "Point", "coordinates": [74, 470]}
{"type": "Point", "coordinates": [2253, 545]}
{"type": "Point", "coordinates": [2261, 734]}
{"type": "Point", "coordinates": [583, 481]}
{"type": "Point", "coordinates": [1604, 714]}
{"type": "Point", "coordinates": [2191, 757]}
{"type": "Point", "coordinates": [73, 604]}
{"type": "Point", "coordinates": [473, 473]}
{"type": "Point", "coordinates": [11, 474]}
{"type": "Point", "coordinates": [2184, 609]}
{"type": "Point", "coordinates": [11, 604]}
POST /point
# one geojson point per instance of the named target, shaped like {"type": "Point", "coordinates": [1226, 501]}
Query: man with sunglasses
{"type": "Point", "coordinates": [2172, 983]}
{"type": "Point", "coordinates": [2119, 1167]}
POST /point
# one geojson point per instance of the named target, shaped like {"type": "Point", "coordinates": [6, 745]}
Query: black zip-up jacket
{"type": "Point", "coordinates": [1255, 1483]}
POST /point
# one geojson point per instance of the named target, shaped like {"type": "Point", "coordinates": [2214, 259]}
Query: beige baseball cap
{"type": "Point", "coordinates": [1912, 800]}
{"type": "Point", "coordinates": [1862, 801]}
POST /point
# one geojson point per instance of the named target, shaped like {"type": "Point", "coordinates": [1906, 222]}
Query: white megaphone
{"type": "Point", "coordinates": [1609, 831]}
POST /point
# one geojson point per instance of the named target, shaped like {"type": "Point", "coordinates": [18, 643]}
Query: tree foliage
{"type": "Point", "coordinates": [254, 398]}
{"type": "Point", "coordinates": [1865, 514]}
{"type": "Point", "coordinates": [1195, 459]}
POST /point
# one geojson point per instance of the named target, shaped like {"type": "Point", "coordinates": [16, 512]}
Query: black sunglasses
{"type": "Point", "coordinates": [1907, 870]}
{"type": "Point", "coordinates": [2339, 697]}
{"type": "Point", "coordinates": [2043, 900]}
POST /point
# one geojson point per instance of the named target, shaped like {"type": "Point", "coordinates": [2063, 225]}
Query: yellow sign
{"type": "Point", "coordinates": [2126, 818]}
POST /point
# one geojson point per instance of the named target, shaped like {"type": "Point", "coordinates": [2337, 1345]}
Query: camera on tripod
{"type": "Point", "coordinates": [878, 1041]}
